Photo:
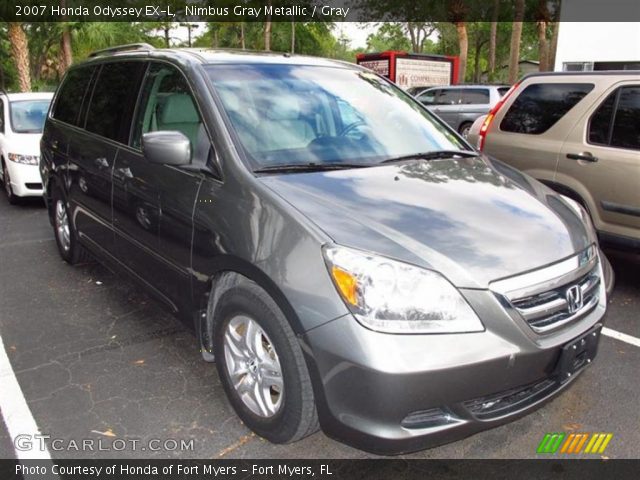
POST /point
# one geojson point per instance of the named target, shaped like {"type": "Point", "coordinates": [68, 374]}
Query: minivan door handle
{"type": "Point", "coordinates": [585, 156]}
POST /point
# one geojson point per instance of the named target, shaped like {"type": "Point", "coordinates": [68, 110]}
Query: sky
{"type": "Point", "coordinates": [356, 32]}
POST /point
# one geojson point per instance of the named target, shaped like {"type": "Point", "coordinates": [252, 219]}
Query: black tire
{"type": "Point", "coordinates": [13, 199]}
{"type": "Point", "coordinates": [74, 253]}
{"type": "Point", "coordinates": [464, 129]}
{"type": "Point", "coordinates": [296, 417]}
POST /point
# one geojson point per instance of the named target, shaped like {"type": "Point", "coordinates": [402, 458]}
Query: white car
{"type": "Point", "coordinates": [22, 117]}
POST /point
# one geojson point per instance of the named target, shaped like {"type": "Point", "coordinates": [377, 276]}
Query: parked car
{"type": "Point", "coordinates": [460, 105]}
{"type": "Point", "coordinates": [415, 90]}
{"type": "Point", "coordinates": [580, 134]}
{"type": "Point", "coordinates": [342, 255]}
{"type": "Point", "coordinates": [22, 117]}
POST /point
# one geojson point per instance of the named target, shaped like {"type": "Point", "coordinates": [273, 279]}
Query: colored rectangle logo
{"type": "Point", "coordinates": [574, 443]}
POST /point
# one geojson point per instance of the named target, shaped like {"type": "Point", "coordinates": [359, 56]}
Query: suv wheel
{"type": "Point", "coordinates": [13, 199]}
{"type": "Point", "coordinates": [464, 129]}
{"type": "Point", "coordinates": [66, 238]}
{"type": "Point", "coordinates": [261, 366]}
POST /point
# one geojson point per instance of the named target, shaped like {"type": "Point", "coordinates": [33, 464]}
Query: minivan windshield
{"type": "Point", "coordinates": [28, 116]}
{"type": "Point", "coordinates": [316, 115]}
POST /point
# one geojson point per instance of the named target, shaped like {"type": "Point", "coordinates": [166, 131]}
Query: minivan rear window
{"type": "Point", "coordinates": [541, 106]}
{"type": "Point", "coordinates": [113, 100]}
{"type": "Point", "coordinates": [69, 98]}
{"type": "Point", "coordinates": [475, 96]}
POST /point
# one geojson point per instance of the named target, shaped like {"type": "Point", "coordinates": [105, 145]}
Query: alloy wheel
{"type": "Point", "coordinates": [253, 366]}
{"type": "Point", "coordinates": [62, 226]}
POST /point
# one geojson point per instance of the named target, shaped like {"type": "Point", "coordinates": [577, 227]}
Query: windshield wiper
{"type": "Point", "coordinates": [433, 155]}
{"type": "Point", "coordinates": [308, 167]}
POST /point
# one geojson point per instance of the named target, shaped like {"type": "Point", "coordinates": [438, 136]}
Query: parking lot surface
{"type": "Point", "coordinates": [97, 359]}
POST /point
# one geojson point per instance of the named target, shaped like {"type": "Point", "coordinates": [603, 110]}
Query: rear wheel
{"type": "Point", "coordinates": [261, 365]}
{"type": "Point", "coordinates": [69, 248]}
{"type": "Point", "coordinates": [13, 199]}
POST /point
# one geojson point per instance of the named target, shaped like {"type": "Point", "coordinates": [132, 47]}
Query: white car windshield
{"type": "Point", "coordinates": [287, 115]}
{"type": "Point", "coordinates": [28, 116]}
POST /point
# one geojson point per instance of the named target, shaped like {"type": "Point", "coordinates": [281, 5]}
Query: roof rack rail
{"type": "Point", "coordinates": [122, 48]}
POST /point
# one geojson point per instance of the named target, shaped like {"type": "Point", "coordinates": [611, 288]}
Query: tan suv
{"type": "Point", "coordinates": [580, 134]}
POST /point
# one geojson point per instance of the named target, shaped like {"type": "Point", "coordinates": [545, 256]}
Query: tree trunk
{"type": "Point", "coordinates": [555, 26]}
{"type": "Point", "coordinates": [543, 49]}
{"type": "Point", "coordinates": [516, 36]}
{"type": "Point", "coordinates": [293, 37]}
{"type": "Point", "coordinates": [493, 37]}
{"type": "Point", "coordinates": [463, 42]}
{"type": "Point", "coordinates": [20, 53]}
{"type": "Point", "coordinates": [242, 40]}
{"type": "Point", "coordinates": [66, 54]}
{"type": "Point", "coordinates": [267, 31]}
{"type": "Point", "coordinates": [167, 36]}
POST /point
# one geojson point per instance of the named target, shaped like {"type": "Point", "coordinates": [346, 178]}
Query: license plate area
{"type": "Point", "coordinates": [578, 353]}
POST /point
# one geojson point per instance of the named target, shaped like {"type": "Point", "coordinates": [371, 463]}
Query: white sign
{"type": "Point", "coordinates": [414, 72]}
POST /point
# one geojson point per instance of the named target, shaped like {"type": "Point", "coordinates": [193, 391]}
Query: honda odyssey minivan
{"type": "Point", "coordinates": [344, 257]}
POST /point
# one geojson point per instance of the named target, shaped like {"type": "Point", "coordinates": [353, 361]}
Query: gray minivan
{"type": "Point", "coordinates": [346, 259]}
{"type": "Point", "coordinates": [460, 105]}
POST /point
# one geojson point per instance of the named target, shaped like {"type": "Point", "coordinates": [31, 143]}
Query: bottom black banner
{"type": "Point", "coordinates": [395, 469]}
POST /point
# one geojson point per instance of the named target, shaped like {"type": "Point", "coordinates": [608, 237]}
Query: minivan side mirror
{"type": "Point", "coordinates": [166, 147]}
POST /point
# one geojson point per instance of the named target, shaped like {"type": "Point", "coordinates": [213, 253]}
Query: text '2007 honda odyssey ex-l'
{"type": "Point", "coordinates": [346, 257]}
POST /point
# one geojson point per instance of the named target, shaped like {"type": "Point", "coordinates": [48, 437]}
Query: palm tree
{"type": "Point", "coordinates": [20, 52]}
{"type": "Point", "coordinates": [457, 13]}
{"type": "Point", "coordinates": [516, 36]}
{"type": "Point", "coordinates": [267, 31]}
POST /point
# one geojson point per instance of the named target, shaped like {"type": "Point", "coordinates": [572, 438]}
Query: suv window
{"type": "Point", "coordinates": [616, 122]}
{"type": "Point", "coordinates": [428, 97]}
{"type": "Point", "coordinates": [503, 90]}
{"type": "Point", "coordinates": [475, 96]}
{"type": "Point", "coordinates": [449, 96]}
{"type": "Point", "coordinates": [71, 94]}
{"type": "Point", "coordinates": [167, 104]}
{"type": "Point", "coordinates": [113, 100]}
{"type": "Point", "coordinates": [540, 106]}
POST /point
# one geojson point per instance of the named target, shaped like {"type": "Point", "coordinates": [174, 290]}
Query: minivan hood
{"type": "Point", "coordinates": [474, 220]}
{"type": "Point", "coordinates": [24, 143]}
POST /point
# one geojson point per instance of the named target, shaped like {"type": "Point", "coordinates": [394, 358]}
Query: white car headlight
{"type": "Point", "coordinates": [24, 159]}
{"type": "Point", "coordinates": [395, 297]}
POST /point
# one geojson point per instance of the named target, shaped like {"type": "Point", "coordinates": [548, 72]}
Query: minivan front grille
{"type": "Point", "coordinates": [560, 305]}
{"type": "Point", "coordinates": [554, 295]}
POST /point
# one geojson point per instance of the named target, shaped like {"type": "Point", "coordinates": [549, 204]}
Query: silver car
{"type": "Point", "coordinates": [460, 105]}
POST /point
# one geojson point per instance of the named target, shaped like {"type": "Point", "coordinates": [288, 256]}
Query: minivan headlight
{"type": "Point", "coordinates": [24, 159]}
{"type": "Point", "coordinates": [395, 297]}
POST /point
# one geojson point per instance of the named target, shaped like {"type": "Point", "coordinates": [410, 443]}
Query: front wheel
{"type": "Point", "coordinates": [6, 179]}
{"type": "Point", "coordinates": [464, 129]}
{"type": "Point", "coordinates": [261, 365]}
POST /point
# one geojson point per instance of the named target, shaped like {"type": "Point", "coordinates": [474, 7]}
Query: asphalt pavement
{"type": "Point", "coordinates": [99, 362]}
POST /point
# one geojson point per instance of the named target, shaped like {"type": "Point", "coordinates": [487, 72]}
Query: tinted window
{"type": "Point", "coordinates": [626, 126]}
{"type": "Point", "coordinates": [540, 106]}
{"type": "Point", "coordinates": [28, 116]}
{"type": "Point", "coordinates": [475, 96]}
{"type": "Point", "coordinates": [69, 101]}
{"type": "Point", "coordinates": [167, 104]}
{"type": "Point", "coordinates": [503, 90]}
{"type": "Point", "coordinates": [448, 96]}
{"type": "Point", "coordinates": [599, 126]}
{"type": "Point", "coordinates": [113, 100]}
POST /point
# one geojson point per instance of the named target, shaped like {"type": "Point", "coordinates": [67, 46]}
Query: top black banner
{"type": "Point", "coordinates": [320, 11]}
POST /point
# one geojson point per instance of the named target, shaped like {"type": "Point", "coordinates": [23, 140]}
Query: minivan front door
{"type": "Point", "coordinates": [152, 203]}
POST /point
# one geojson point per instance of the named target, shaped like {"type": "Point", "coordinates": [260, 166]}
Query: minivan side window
{"type": "Point", "coordinates": [616, 122]}
{"type": "Point", "coordinates": [71, 94]}
{"type": "Point", "coordinates": [113, 100]}
{"type": "Point", "coordinates": [475, 96]}
{"type": "Point", "coordinates": [448, 96]}
{"type": "Point", "coordinates": [166, 103]}
{"type": "Point", "coordinates": [540, 106]}
{"type": "Point", "coordinates": [428, 97]}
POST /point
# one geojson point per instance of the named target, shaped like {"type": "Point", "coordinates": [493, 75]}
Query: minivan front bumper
{"type": "Point", "coordinates": [393, 394]}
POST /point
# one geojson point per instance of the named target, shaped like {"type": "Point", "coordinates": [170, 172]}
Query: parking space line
{"type": "Point", "coordinates": [16, 413]}
{"type": "Point", "coordinates": [623, 337]}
